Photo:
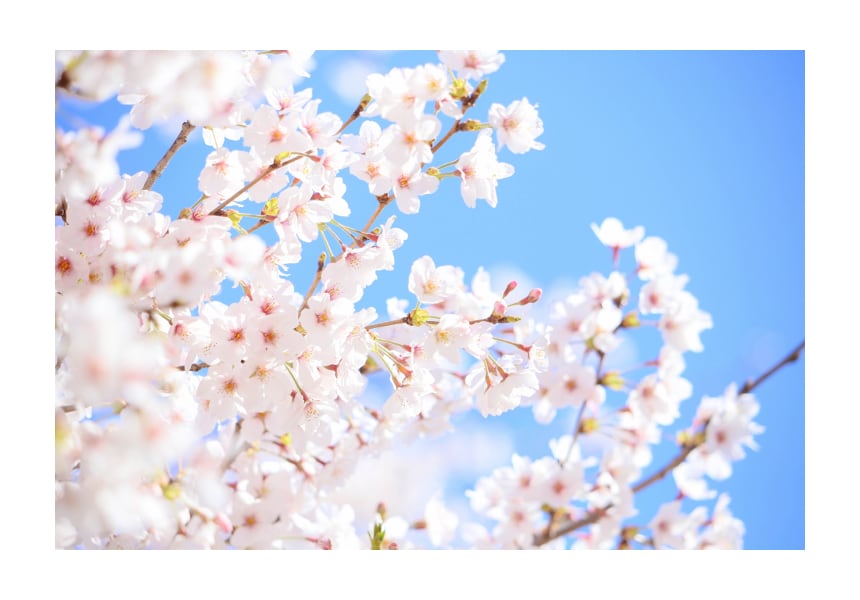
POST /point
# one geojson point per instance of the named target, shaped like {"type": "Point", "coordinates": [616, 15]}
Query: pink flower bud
{"type": "Point", "coordinates": [223, 523]}
{"type": "Point", "coordinates": [534, 296]}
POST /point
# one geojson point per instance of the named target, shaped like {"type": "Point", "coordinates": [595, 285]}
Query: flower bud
{"type": "Point", "coordinates": [235, 219]}
{"type": "Point", "coordinates": [612, 380]}
{"type": "Point", "coordinates": [459, 89]}
{"type": "Point", "coordinates": [631, 319]}
{"type": "Point", "coordinates": [534, 296]}
{"type": "Point", "coordinates": [417, 317]}
{"type": "Point", "coordinates": [588, 425]}
{"type": "Point", "coordinates": [472, 125]}
{"type": "Point", "coordinates": [509, 319]}
{"type": "Point", "coordinates": [365, 100]}
{"type": "Point", "coordinates": [171, 491]}
{"type": "Point", "coordinates": [223, 523]}
{"type": "Point", "coordinates": [270, 209]}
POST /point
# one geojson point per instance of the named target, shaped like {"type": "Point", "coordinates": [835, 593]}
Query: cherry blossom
{"type": "Point", "coordinates": [192, 414]}
{"type": "Point", "coordinates": [472, 64]}
{"type": "Point", "coordinates": [480, 171]}
{"type": "Point", "coordinates": [611, 233]}
{"type": "Point", "coordinates": [517, 126]}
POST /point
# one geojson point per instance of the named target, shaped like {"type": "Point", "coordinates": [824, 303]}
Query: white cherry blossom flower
{"type": "Point", "coordinates": [472, 64]}
{"type": "Point", "coordinates": [480, 170]}
{"type": "Point", "coordinates": [410, 183]}
{"type": "Point", "coordinates": [517, 126]}
{"type": "Point", "coordinates": [612, 234]}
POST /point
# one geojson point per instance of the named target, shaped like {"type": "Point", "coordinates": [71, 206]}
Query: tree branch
{"type": "Point", "coordinates": [686, 449]}
{"type": "Point", "coordinates": [591, 519]}
{"type": "Point", "coordinates": [750, 385]}
{"type": "Point", "coordinates": [276, 164]}
{"type": "Point", "coordinates": [180, 140]}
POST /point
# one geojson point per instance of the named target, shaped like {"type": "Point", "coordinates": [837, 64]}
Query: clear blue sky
{"type": "Point", "coordinates": [703, 149]}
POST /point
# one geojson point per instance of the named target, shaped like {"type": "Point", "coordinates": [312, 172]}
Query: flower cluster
{"type": "Point", "coordinates": [619, 419]}
{"type": "Point", "coordinates": [187, 418]}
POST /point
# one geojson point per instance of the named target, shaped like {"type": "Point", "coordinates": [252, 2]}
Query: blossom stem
{"type": "Point", "coordinates": [180, 140]}
{"type": "Point", "coordinates": [502, 340]}
{"type": "Point", "coordinates": [325, 242]}
{"type": "Point", "coordinates": [265, 218]}
{"type": "Point", "coordinates": [330, 229]}
{"type": "Point", "coordinates": [387, 342]}
{"type": "Point", "coordinates": [447, 164]}
{"type": "Point", "coordinates": [296, 383]}
{"type": "Point", "coordinates": [384, 353]}
{"type": "Point", "coordinates": [351, 232]}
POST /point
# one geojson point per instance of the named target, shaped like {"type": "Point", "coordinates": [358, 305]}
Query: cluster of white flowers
{"type": "Point", "coordinates": [583, 331]}
{"type": "Point", "coordinates": [183, 421]}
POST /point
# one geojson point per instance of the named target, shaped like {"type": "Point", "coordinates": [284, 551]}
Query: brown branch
{"type": "Point", "coordinates": [591, 519]}
{"type": "Point", "coordinates": [685, 452]}
{"type": "Point", "coordinates": [180, 140]}
{"type": "Point", "coordinates": [457, 126]}
{"type": "Point", "coordinates": [365, 100]}
{"type": "Point", "coordinates": [195, 367]}
{"type": "Point", "coordinates": [388, 323]}
{"type": "Point", "coordinates": [750, 385]}
{"type": "Point", "coordinates": [314, 283]}
{"type": "Point", "coordinates": [258, 225]}
{"type": "Point", "coordinates": [263, 174]}
{"type": "Point", "coordinates": [687, 448]}
{"type": "Point", "coordinates": [383, 201]}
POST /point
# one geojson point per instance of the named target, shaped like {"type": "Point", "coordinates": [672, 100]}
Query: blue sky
{"type": "Point", "coordinates": [703, 149]}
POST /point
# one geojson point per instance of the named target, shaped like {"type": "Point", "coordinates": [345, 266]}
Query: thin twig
{"type": "Point", "coordinates": [594, 517]}
{"type": "Point", "coordinates": [315, 283]}
{"type": "Point", "coordinates": [388, 323]}
{"type": "Point", "coordinates": [195, 367]}
{"type": "Point", "coordinates": [258, 225]}
{"type": "Point", "coordinates": [365, 100]}
{"type": "Point", "coordinates": [686, 449]}
{"type": "Point", "coordinates": [383, 201]}
{"type": "Point", "coordinates": [454, 129]}
{"type": "Point", "coordinates": [750, 385]}
{"type": "Point", "coordinates": [180, 140]}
